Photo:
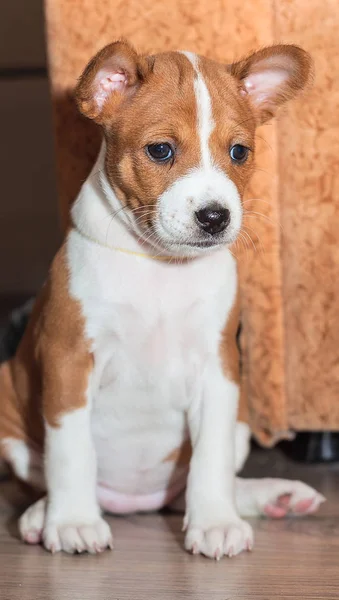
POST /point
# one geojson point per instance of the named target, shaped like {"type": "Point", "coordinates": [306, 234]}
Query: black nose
{"type": "Point", "coordinates": [213, 219]}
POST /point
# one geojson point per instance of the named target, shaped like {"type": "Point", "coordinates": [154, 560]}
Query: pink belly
{"type": "Point", "coordinates": [120, 504]}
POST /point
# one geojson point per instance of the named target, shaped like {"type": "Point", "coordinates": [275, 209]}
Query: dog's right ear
{"type": "Point", "coordinates": [114, 73]}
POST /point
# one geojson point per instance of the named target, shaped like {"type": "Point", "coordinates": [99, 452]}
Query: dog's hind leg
{"type": "Point", "coordinates": [25, 461]}
{"type": "Point", "coordinates": [271, 497]}
{"type": "Point", "coordinates": [31, 523]}
{"type": "Point", "coordinates": [276, 498]}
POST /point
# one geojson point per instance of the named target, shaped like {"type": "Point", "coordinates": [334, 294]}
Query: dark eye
{"type": "Point", "coordinates": [239, 153]}
{"type": "Point", "coordinates": [161, 152]}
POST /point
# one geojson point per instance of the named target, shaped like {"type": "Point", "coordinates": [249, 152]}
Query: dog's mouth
{"type": "Point", "coordinates": [175, 243]}
{"type": "Point", "coordinates": [205, 244]}
{"type": "Point", "coordinates": [189, 247]}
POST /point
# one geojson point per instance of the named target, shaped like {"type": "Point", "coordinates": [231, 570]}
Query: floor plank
{"type": "Point", "coordinates": [294, 558]}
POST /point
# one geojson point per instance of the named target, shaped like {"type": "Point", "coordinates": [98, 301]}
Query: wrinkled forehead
{"type": "Point", "coordinates": [182, 90]}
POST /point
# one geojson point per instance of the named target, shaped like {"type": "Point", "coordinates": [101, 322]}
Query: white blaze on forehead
{"type": "Point", "coordinates": [204, 110]}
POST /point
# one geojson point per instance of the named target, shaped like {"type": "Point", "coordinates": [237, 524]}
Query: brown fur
{"type": "Point", "coordinates": [64, 352]}
{"type": "Point", "coordinates": [229, 348]}
{"type": "Point", "coordinates": [137, 180]}
{"type": "Point", "coordinates": [180, 456]}
{"type": "Point", "coordinates": [49, 373]}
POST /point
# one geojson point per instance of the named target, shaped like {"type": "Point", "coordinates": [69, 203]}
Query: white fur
{"type": "Point", "coordinates": [26, 463]}
{"type": "Point", "coordinates": [176, 224]}
{"type": "Point", "coordinates": [242, 444]}
{"type": "Point", "coordinates": [213, 526]}
{"type": "Point", "coordinates": [32, 522]}
{"type": "Point", "coordinates": [206, 123]}
{"type": "Point", "coordinates": [256, 496]}
{"type": "Point", "coordinates": [71, 483]}
{"type": "Point", "coordinates": [18, 453]}
{"type": "Point", "coordinates": [73, 521]}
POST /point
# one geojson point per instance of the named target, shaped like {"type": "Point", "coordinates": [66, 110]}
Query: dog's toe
{"type": "Point", "coordinates": [32, 522]}
{"type": "Point", "coordinates": [77, 538]}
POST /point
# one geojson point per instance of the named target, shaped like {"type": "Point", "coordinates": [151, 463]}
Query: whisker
{"type": "Point", "coordinates": [153, 236]}
{"type": "Point", "coordinates": [245, 239]}
{"type": "Point", "coordinates": [124, 208]}
{"type": "Point", "coordinates": [113, 216]}
{"type": "Point", "coordinates": [257, 236]}
{"type": "Point", "coordinates": [249, 237]}
{"type": "Point", "coordinates": [261, 170]}
{"type": "Point", "coordinates": [257, 200]}
{"type": "Point", "coordinates": [260, 137]}
{"type": "Point", "coordinates": [144, 207]}
{"type": "Point", "coordinates": [241, 123]}
{"type": "Point", "coordinates": [139, 219]}
{"type": "Point", "coordinates": [253, 214]}
{"type": "Point", "coordinates": [235, 247]}
{"type": "Point", "coordinates": [242, 240]}
{"type": "Point", "coordinates": [95, 173]}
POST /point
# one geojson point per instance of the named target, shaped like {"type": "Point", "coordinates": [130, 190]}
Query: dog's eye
{"type": "Point", "coordinates": [239, 153]}
{"type": "Point", "coordinates": [161, 152]}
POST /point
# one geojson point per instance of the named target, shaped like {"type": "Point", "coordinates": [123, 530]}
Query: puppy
{"type": "Point", "coordinates": [123, 393]}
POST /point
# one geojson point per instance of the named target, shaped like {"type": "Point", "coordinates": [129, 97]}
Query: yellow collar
{"type": "Point", "coordinates": [131, 252]}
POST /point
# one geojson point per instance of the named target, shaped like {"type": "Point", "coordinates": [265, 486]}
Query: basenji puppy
{"type": "Point", "coordinates": [123, 393]}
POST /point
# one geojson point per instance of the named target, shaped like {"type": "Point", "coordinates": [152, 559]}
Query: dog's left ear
{"type": "Point", "coordinates": [272, 76]}
{"type": "Point", "coordinates": [115, 73]}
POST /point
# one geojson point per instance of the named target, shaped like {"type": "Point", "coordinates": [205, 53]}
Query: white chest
{"type": "Point", "coordinates": [150, 315]}
{"type": "Point", "coordinates": [152, 326]}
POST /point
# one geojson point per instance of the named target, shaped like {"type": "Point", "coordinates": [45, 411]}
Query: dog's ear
{"type": "Point", "coordinates": [115, 73]}
{"type": "Point", "coordinates": [272, 76]}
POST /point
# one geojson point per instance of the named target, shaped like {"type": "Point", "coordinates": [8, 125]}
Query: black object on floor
{"type": "Point", "coordinates": [313, 447]}
{"type": "Point", "coordinates": [12, 330]}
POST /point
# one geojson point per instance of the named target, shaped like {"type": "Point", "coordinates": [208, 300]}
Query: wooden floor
{"type": "Point", "coordinates": [294, 558]}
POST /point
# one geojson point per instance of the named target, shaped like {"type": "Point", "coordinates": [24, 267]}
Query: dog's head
{"type": "Point", "coordinates": [179, 132]}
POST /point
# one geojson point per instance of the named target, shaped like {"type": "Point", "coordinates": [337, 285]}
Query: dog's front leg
{"type": "Point", "coordinates": [212, 524]}
{"type": "Point", "coordinates": [73, 522]}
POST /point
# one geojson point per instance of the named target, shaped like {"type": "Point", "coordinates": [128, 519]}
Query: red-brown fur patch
{"type": "Point", "coordinates": [49, 374]}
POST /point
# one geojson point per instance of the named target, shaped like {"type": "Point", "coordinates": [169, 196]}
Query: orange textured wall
{"type": "Point", "coordinates": [309, 200]}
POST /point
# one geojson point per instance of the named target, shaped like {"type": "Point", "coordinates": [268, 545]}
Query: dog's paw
{"type": "Point", "coordinates": [277, 498]}
{"type": "Point", "coordinates": [79, 537]}
{"type": "Point", "coordinates": [227, 539]}
{"type": "Point", "coordinates": [32, 521]}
